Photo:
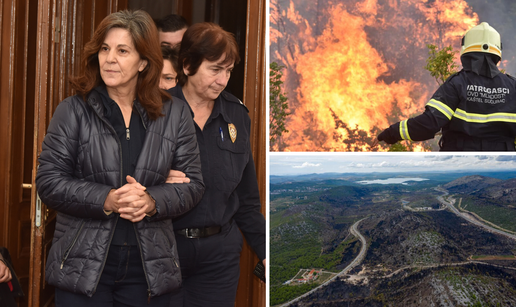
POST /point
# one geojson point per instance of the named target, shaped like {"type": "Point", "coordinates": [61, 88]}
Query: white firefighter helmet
{"type": "Point", "coordinates": [482, 38]}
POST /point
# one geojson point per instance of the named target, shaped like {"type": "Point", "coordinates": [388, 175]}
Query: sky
{"type": "Point", "coordinates": [281, 164]}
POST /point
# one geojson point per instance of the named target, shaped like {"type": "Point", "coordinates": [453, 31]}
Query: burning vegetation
{"type": "Point", "coordinates": [355, 67]}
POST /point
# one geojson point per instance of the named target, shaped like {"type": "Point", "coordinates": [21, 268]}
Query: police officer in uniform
{"type": "Point", "coordinates": [475, 108]}
{"type": "Point", "coordinates": [208, 237]}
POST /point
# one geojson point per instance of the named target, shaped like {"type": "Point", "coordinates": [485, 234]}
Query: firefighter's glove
{"type": "Point", "coordinates": [387, 136]}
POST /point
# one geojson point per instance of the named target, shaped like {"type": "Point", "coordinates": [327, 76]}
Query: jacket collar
{"type": "Point", "coordinates": [101, 103]}
{"type": "Point", "coordinates": [219, 108]}
{"type": "Point", "coordinates": [482, 64]}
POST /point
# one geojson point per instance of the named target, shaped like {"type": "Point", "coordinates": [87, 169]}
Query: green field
{"type": "Point", "coordinates": [501, 216]}
{"type": "Point", "coordinates": [285, 293]}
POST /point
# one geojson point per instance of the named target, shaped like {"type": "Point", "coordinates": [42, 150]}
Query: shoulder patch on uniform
{"type": "Point", "coordinates": [232, 98]}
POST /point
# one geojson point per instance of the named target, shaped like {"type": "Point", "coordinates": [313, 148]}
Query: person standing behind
{"type": "Point", "coordinates": [209, 240]}
{"type": "Point", "coordinates": [104, 162]}
{"type": "Point", "coordinates": [170, 67]}
{"type": "Point", "coordinates": [475, 108]}
{"type": "Point", "coordinates": [171, 29]}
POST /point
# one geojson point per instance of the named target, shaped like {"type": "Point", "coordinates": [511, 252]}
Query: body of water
{"type": "Point", "coordinates": [391, 181]}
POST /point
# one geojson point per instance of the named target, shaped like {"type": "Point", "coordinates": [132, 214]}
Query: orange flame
{"type": "Point", "coordinates": [357, 75]}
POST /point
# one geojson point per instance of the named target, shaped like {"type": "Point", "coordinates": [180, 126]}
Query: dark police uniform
{"type": "Point", "coordinates": [209, 241]}
{"type": "Point", "coordinates": [476, 113]}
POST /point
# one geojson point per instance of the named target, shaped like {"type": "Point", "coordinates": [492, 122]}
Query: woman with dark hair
{"type": "Point", "coordinates": [170, 67]}
{"type": "Point", "coordinates": [105, 159]}
{"type": "Point", "coordinates": [208, 237]}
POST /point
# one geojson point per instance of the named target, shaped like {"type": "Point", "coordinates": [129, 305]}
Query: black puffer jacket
{"type": "Point", "coordinates": [80, 163]}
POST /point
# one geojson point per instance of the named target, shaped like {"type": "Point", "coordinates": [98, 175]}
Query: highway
{"type": "Point", "coordinates": [354, 231]}
{"type": "Point", "coordinates": [450, 205]}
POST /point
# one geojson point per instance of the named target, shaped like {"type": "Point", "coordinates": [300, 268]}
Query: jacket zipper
{"type": "Point", "coordinates": [105, 258]}
{"type": "Point", "coordinates": [143, 264]}
{"type": "Point", "coordinates": [141, 117]}
{"type": "Point", "coordinates": [67, 252]}
{"type": "Point", "coordinates": [135, 230]}
{"type": "Point", "coordinates": [134, 226]}
{"type": "Point", "coordinates": [121, 180]}
{"type": "Point", "coordinates": [138, 235]}
{"type": "Point", "coordinates": [170, 246]}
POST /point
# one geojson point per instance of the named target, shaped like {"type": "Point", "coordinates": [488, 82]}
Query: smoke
{"type": "Point", "coordinates": [500, 15]}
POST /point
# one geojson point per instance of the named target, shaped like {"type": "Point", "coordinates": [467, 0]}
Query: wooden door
{"type": "Point", "coordinates": [17, 60]}
{"type": "Point", "coordinates": [251, 291]}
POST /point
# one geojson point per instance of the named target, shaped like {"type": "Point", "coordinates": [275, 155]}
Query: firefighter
{"type": "Point", "coordinates": [475, 108]}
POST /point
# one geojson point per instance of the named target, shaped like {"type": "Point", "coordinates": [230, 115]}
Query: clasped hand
{"type": "Point", "coordinates": [177, 177]}
{"type": "Point", "coordinates": [131, 201]}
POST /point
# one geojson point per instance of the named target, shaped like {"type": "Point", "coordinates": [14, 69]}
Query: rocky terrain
{"type": "Point", "coordinates": [418, 253]}
{"type": "Point", "coordinates": [423, 259]}
{"type": "Point", "coordinates": [467, 285]}
{"type": "Point", "coordinates": [485, 188]}
{"type": "Point", "coordinates": [503, 192]}
{"type": "Point", "coordinates": [402, 238]}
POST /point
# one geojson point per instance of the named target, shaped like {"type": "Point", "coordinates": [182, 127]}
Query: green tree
{"type": "Point", "coordinates": [398, 147]}
{"type": "Point", "coordinates": [440, 63]}
{"type": "Point", "coordinates": [278, 106]}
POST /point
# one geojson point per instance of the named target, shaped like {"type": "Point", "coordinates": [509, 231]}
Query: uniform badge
{"type": "Point", "coordinates": [232, 132]}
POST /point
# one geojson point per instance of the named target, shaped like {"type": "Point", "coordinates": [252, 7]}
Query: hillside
{"type": "Point", "coordinates": [468, 285]}
{"type": "Point", "coordinates": [491, 199]}
{"type": "Point", "coordinates": [419, 253]}
{"type": "Point", "coordinates": [503, 192]}
{"type": "Point", "coordinates": [470, 184]}
{"type": "Point", "coordinates": [404, 238]}
{"type": "Point", "coordinates": [421, 259]}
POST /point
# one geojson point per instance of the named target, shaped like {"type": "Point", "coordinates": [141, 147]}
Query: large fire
{"type": "Point", "coordinates": [355, 67]}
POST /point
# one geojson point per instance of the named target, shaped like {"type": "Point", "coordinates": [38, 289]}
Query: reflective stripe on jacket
{"type": "Point", "coordinates": [469, 107]}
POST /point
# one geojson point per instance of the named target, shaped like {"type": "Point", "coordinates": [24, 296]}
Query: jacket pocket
{"type": "Point", "coordinates": [71, 245]}
{"type": "Point", "coordinates": [170, 248]}
{"type": "Point", "coordinates": [231, 160]}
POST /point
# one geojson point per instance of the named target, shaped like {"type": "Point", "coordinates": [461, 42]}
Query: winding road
{"type": "Point", "coordinates": [354, 231]}
{"type": "Point", "coordinates": [449, 203]}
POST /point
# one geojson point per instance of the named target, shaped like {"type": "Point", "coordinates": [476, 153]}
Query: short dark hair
{"type": "Point", "coordinates": [171, 23]}
{"type": "Point", "coordinates": [171, 54]}
{"type": "Point", "coordinates": [202, 41]}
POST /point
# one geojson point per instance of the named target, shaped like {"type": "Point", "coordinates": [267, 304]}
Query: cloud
{"type": "Point", "coordinates": [359, 164]}
{"type": "Point", "coordinates": [441, 158]}
{"type": "Point", "coordinates": [382, 164]}
{"type": "Point", "coordinates": [306, 164]}
{"type": "Point", "coordinates": [506, 158]}
{"type": "Point", "coordinates": [483, 157]}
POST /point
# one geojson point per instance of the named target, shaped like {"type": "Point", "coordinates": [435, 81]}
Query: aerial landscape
{"type": "Point", "coordinates": [393, 230]}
